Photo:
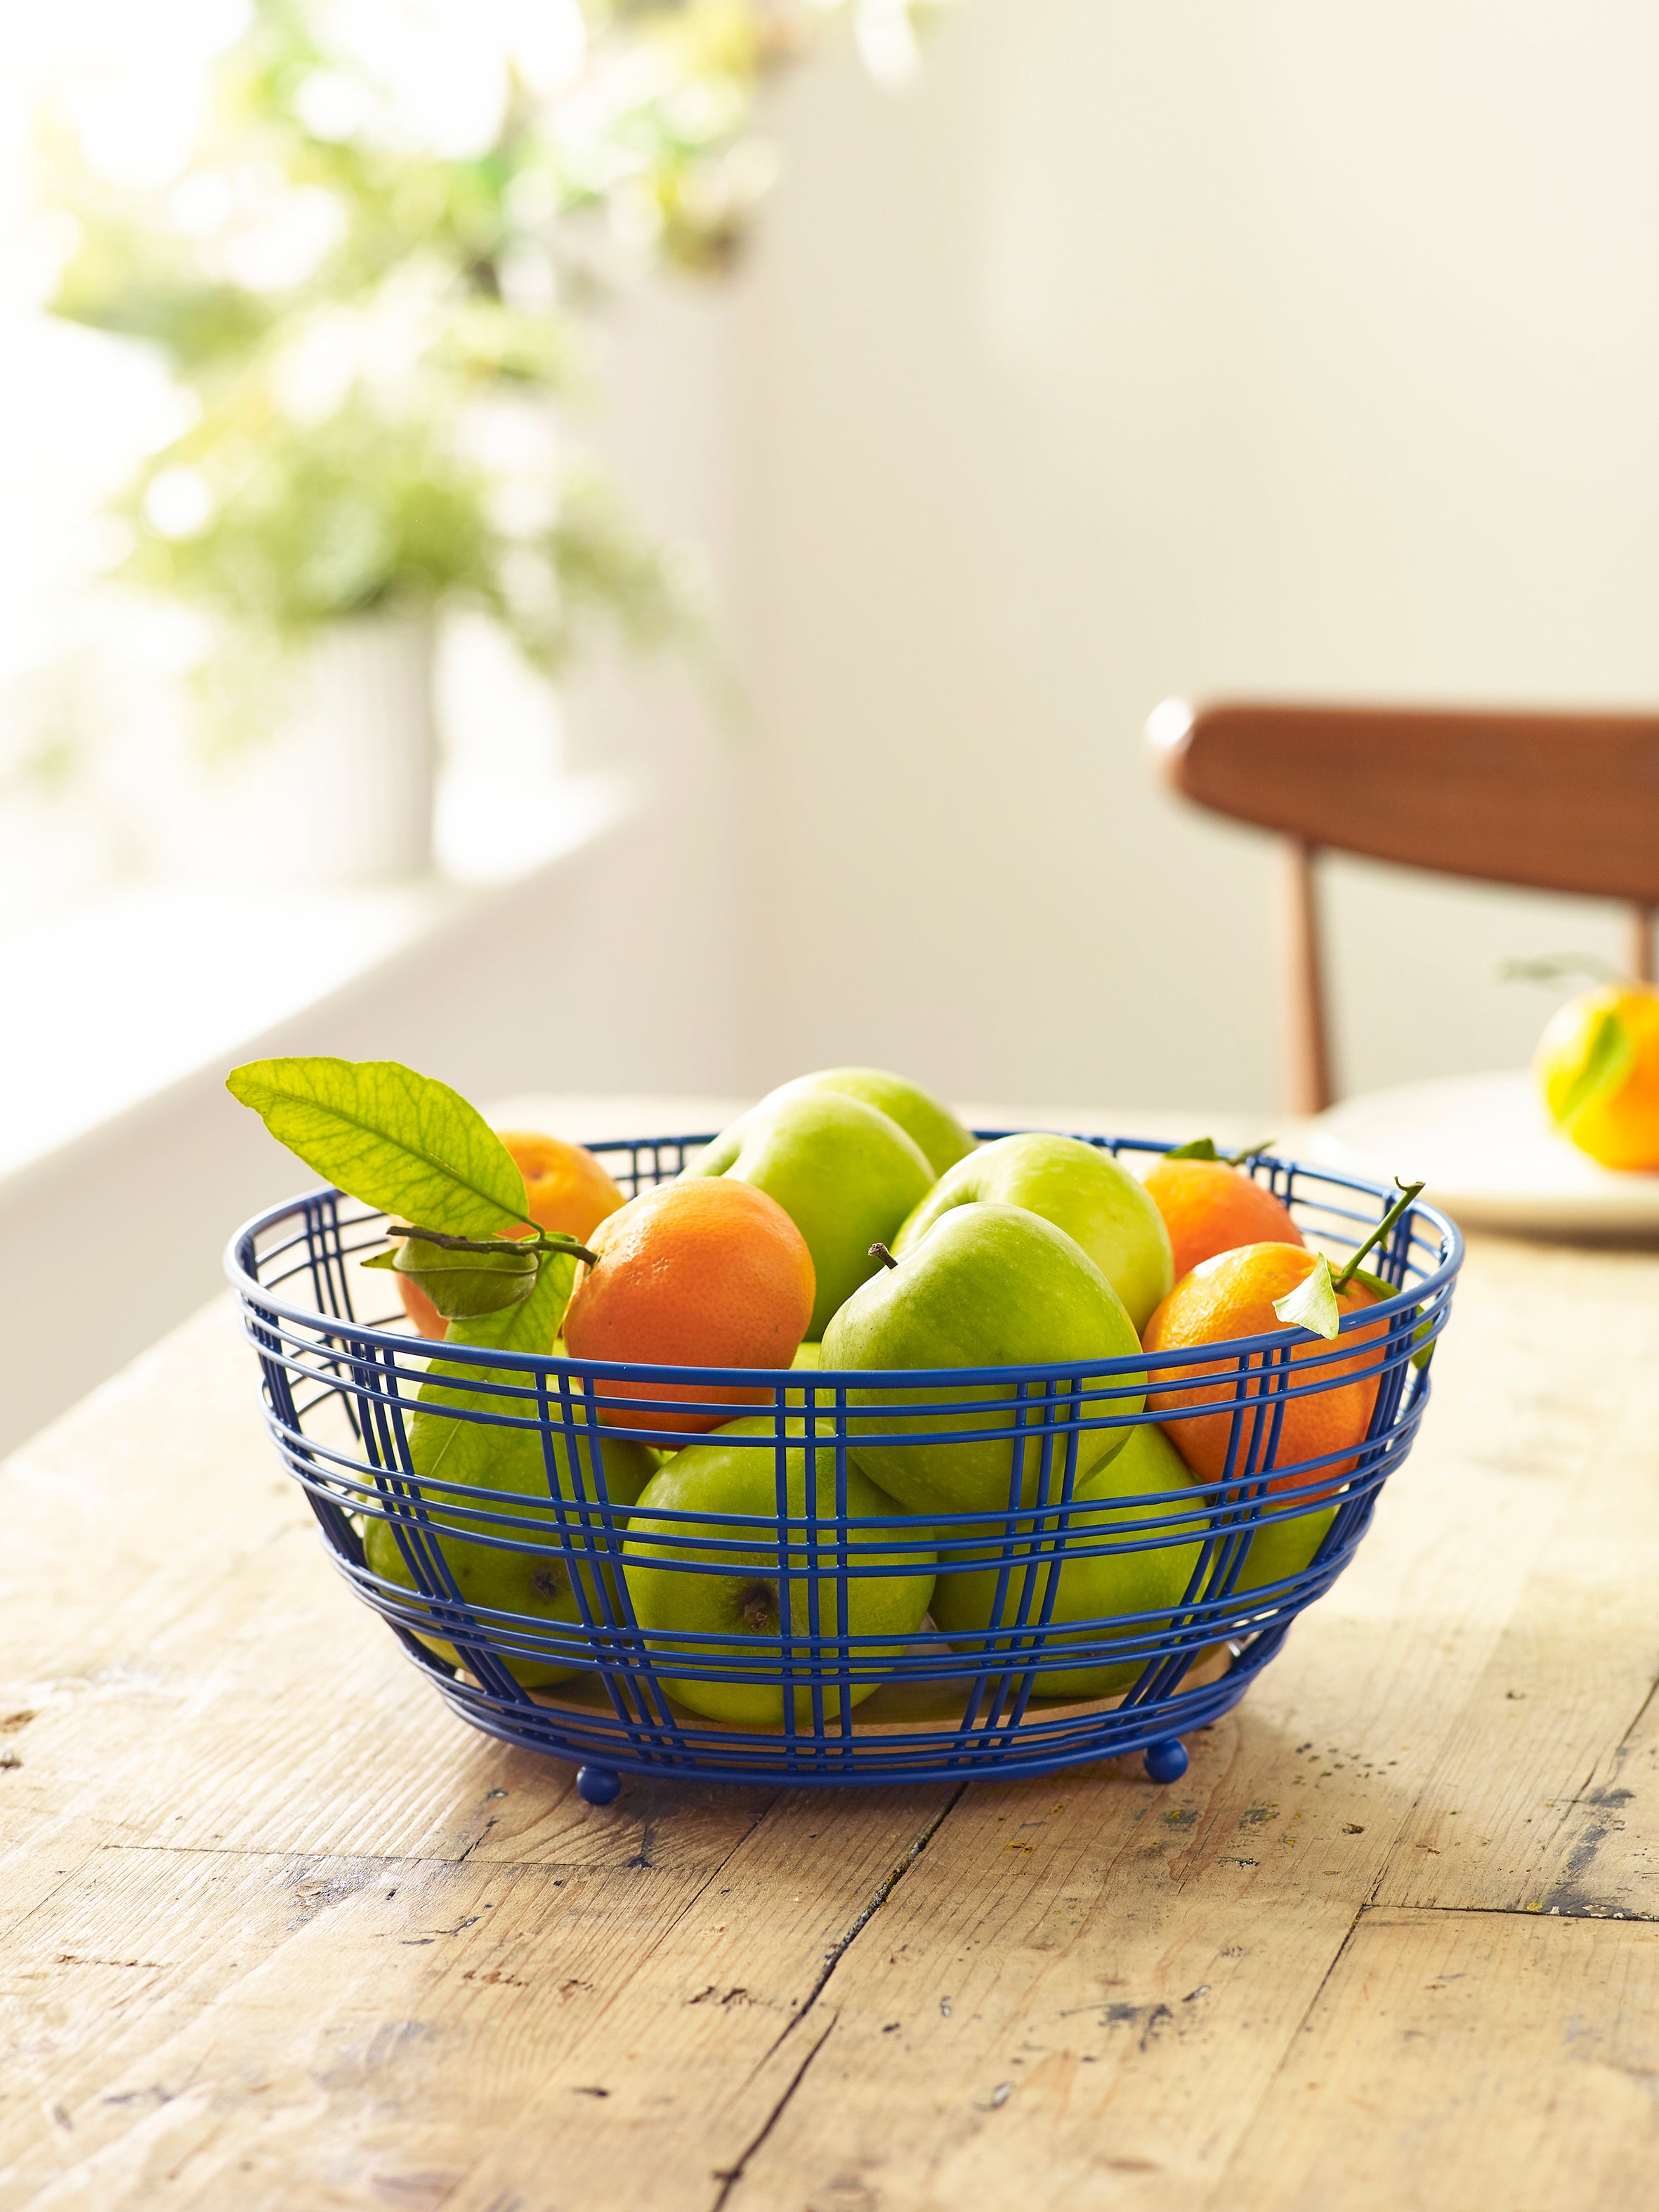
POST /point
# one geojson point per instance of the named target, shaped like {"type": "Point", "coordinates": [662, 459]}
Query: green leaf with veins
{"type": "Point", "coordinates": [1608, 1058]}
{"type": "Point", "coordinates": [395, 1139]}
{"type": "Point", "coordinates": [1312, 1304]}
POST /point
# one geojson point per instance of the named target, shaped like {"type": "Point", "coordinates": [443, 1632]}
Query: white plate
{"type": "Point", "coordinates": [1486, 1148]}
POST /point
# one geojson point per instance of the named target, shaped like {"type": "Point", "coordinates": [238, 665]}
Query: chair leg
{"type": "Point", "coordinates": [1307, 1063]}
{"type": "Point", "coordinates": [1641, 944]}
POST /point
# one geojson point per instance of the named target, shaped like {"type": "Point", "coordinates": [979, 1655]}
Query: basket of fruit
{"type": "Point", "coordinates": [844, 1446]}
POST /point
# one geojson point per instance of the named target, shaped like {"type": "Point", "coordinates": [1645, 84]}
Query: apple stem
{"type": "Point", "coordinates": [880, 1252]}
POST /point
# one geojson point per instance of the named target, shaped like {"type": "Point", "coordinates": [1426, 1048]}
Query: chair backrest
{"type": "Point", "coordinates": [1555, 802]}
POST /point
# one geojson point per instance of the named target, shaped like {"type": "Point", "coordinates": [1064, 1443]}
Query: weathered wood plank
{"type": "Point", "coordinates": [259, 2028]}
{"type": "Point", "coordinates": [1468, 2058]}
{"type": "Point", "coordinates": [179, 2012]}
{"type": "Point", "coordinates": [1534, 1801]}
{"type": "Point", "coordinates": [687, 2046]}
{"type": "Point", "coordinates": [1603, 1859]}
{"type": "Point", "coordinates": [1056, 1997]}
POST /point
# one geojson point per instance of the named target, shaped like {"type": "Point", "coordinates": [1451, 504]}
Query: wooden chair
{"type": "Point", "coordinates": [1555, 802]}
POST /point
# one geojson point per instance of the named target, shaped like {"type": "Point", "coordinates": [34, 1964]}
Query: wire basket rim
{"type": "Point", "coordinates": [238, 1257]}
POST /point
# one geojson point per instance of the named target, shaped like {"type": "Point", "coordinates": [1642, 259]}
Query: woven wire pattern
{"type": "Point", "coordinates": [340, 1392]}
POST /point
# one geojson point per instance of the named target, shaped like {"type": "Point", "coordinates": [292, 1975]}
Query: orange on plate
{"type": "Point", "coordinates": [570, 1195]}
{"type": "Point", "coordinates": [707, 1274]}
{"type": "Point", "coordinates": [1210, 1207]}
{"type": "Point", "coordinates": [1597, 1064]}
{"type": "Point", "coordinates": [1232, 1296]}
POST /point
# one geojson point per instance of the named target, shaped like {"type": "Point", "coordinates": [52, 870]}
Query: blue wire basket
{"type": "Point", "coordinates": [569, 1667]}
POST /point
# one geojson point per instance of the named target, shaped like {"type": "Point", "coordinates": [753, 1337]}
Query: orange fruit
{"type": "Point", "coordinates": [569, 1192]}
{"type": "Point", "coordinates": [1597, 1064]}
{"type": "Point", "coordinates": [707, 1274]}
{"type": "Point", "coordinates": [1210, 1207]}
{"type": "Point", "coordinates": [1232, 1296]}
{"type": "Point", "coordinates": [570, 1195]}
{"type": "Point", "coordinates": [1213, 1208]}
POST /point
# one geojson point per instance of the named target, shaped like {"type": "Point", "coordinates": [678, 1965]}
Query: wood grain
{"type": "Point", "coordinates": [1533, 1801]}
{"type": "Point", "coordinates": [1561, 802]}
{"type": "Point", "coordinates": [1468, 2058]}
{"type": "Point", "coordinates": [276, 1929]}
{"type": "Point", "coordinates": [1309, 1087]}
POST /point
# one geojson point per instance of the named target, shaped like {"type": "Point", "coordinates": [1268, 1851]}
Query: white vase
{"type": "Point", "coordinates": [338, 789]}
{"type": "Point", "coordinates": [364, 745]}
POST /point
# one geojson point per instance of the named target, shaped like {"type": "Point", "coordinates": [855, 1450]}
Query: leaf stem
{"type": "Point", "coordinates": [541, 1242]}
{"type": "Point", "coordinates": [1412, 1192]}
{"type": "Point", "coordinates": [1249, 1153]}
{"type": "Point", "coordinates": [1204, 1148]}
{"type": "Point", "coordinates": [1556, 965]}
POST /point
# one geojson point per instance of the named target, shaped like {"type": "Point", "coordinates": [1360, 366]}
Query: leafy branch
{"type": "Point", "coordinates": [408, 1144]}
{"type": "Point", "coordinates": [370, 324]}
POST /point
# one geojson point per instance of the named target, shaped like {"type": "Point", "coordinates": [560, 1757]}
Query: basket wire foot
{"type": "Point", "coordinates": [1166, 1762]}
{"type": "Point", "coordinates": [602, 1785]}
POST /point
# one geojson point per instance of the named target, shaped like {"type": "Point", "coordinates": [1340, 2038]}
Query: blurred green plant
{"type": "Point", "coordinates": [378, 325]}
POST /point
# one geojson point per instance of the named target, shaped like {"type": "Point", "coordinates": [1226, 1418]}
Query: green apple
{"type": "Point", "coordinates": [927, 1123]}
{"type": "Point", "coordinates": [1279, 1549]}
{"type": "Point", "coordinates": [703, 1576]}
{"type": "Point", "coordinates": [1149, 1580]}
{"type": "Point", "coordinates": [844, 1173]}
{"type": "Point", "coordinates": [507, 1468]}
{"type": "Point", "coordinates": [1082, 1190]}
{"type": "Point", "coordinates": [985, 1287]}
{"type": "Point", "coordinates": [807, 1360]}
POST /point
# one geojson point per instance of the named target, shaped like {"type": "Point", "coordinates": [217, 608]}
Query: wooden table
{"type": "Point", "coordinates": [281, 1932]}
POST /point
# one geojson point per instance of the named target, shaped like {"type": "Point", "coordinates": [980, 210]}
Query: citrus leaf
{"type": "Point", "coordinates": [1204, 1148]}
{"type": "Point", "coordinates": [1422, 1336]}
{"type": "Point", "coordinates": [462, 1285]}
{"type": "Point", "coordinates": [1312, 1304]}
{"type": "Point", "coordinates": [458, 1451]}
{"type": "Point", "coordinates": [1609, 1059]}
{"type": "Point", "coordinates": [1200, 1148]}
{"type": "Point", "coordinates": [401, 1141]}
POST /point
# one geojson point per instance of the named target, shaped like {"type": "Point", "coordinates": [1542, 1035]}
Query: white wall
{"type": "Point", "coordinates": [1150, 346]}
